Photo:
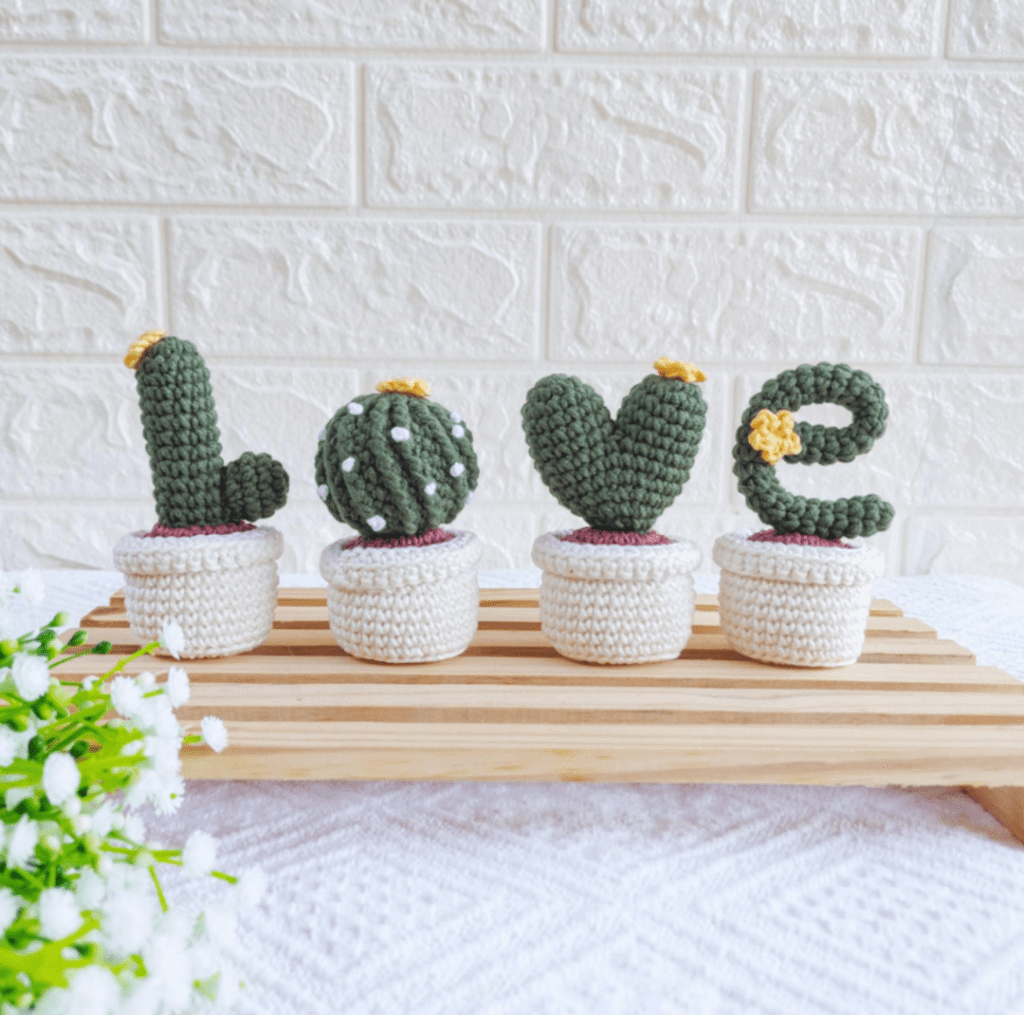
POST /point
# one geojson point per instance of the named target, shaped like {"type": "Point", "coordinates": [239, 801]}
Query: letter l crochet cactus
{"type": "Point", "coordinates": [191, 484]}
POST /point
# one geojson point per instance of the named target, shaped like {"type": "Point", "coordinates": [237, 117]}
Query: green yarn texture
{"type": "Point", "coordinates": [785, 512]}
{"type": "Point", "coordinates": [621, 474]}
{"type": "Point", "coordinates": [399, 466]}
{"type": "Point", "coordinates": [191, 484]}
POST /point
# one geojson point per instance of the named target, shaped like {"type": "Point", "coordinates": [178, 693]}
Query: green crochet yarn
{"type": "Point", "coordinates": [621, 474]}
{"type": "Point", "coordinates": [394, 464]}
{"type": "Point", "coordinates": [191, 484]}
{"type": "Point", "coordinates": [822, 445]}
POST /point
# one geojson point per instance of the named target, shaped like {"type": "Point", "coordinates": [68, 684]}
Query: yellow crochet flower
{"type": "Point", "coordinates": [676, 368]}
{"type": "Point", "coordinates": [405, 386]}
{"type": "Point", "coordinates": [140, 345]}
{"type": "Point", "coordinates": [773, 435]}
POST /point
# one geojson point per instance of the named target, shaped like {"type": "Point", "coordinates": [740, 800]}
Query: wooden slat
{"type": "Point", "coordinates": [914, 709]}
{"type": "Point", "coordinates": [503, 597]}
{"type": "Point", "coordinates": [826, 755]}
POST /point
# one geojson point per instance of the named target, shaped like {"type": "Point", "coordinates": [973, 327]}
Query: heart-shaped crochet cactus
{"type": "Point", "coordinates": [616, 474]}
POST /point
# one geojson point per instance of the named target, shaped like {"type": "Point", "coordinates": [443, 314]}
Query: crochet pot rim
{"type": "Point", "coordinates": [136, 552]}
{"type": "Point", "coordinates": [376, 567]}
{"type": "Point", "coordinates": [614, 561]}
{"type": "Point", "coordinates": [809, 565]}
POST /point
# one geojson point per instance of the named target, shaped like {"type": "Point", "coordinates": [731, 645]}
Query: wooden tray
{"type": "Point", "coordinates": [913, 710]}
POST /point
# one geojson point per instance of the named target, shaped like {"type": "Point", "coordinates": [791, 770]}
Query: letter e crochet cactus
{"type": "Point", "coordinates": [767, 433]}
{"type": "Point", "coordinates": [395, 464]}
{"type": "Point", "coordinates": [618, 475]}
{"type": "Point", "coordinates": [191, 484]}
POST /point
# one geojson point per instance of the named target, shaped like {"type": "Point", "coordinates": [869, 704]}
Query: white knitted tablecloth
{"type": "Point", "coordinates": [528, 899]}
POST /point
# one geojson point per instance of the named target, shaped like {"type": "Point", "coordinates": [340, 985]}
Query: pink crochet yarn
{"type": "Point", "coordinates": [428, 538]}
{"type": "Point", "coordinates": [199, 530]}
{"type": "Point", "coordinates": [606, 537]}
{"type": "Point", "coordinates": [797, 538]}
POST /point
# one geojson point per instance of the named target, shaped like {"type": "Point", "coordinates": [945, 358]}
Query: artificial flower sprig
{"type": "Point", "coordinates": [84, 919]}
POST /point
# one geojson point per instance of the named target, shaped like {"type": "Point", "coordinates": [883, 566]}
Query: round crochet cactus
{"type": "Point", "coordinates": [767, 432]}
{"type": "Point", "coordinates": [618, 475]}
{"type": "Point", "coordinates": [395, 464]}
{"type": "Point", "coordinates": [192, 486]}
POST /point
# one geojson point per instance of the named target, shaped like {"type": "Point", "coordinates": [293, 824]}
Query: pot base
{"type": "Point", "coordinates": [795, 605]}
{"type": "Point", "coordinates": [221, 589]}
{"type": "Point", "coordinates": [411, 604]}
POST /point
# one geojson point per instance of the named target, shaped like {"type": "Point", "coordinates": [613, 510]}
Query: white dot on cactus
{"type": "Point", "coordinates": [457, 469]}
{"type": "Point", "coordinates": [320, 436]}
{"type": "Point", "coordinates": [457, 431]}
{"type": "Point", "coordinates": [399, 433]}
{"type": "Point", "coordinates": [456, 418]}
{"type": "Point", "coordinates": [430, 489]}
{"type": "Point", "coordinates": [321, 491]}
{"type": "Point", "coordinates": [348, 465]}
{"type": "Point", "coordinates": [376, 523]}
{"type": "Point", "coordinates": [355, 408]}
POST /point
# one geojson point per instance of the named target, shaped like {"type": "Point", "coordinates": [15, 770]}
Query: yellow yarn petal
{"type": "Point", "coordinates": [145, 341]}
{"type": "Point", "coordinates": [676, 368]}
{"type": "Point", "coordinates": [773, 435]}
{"type": "Point", "coordinates": [405, 386]}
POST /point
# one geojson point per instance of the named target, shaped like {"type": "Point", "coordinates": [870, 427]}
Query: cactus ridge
{"type": "Point", "coordinates": [621, 474]}
{"type": "Point", "coordinates": [191, 485]}
{"type": "Point", "coordinates": [399, 466]}
{"type": "Point", "coordinates": [845, 518]}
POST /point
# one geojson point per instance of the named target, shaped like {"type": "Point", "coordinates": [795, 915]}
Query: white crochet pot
{"type": "Point", "coordinates": [221, 589]}
{"type": "Point", "coordinates": [406, 604]}
{"type": "Point", "coordinates": [616, 604]}
{"type": "Point", "coordinates": [795, 605]}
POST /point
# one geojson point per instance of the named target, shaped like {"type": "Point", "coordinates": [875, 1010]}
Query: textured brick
{"type": "Point", "coordinates": [73, 21]}
{"type": "Point", "coordinates": [850, 28]}
{"type": "Point", "coordinates": [319, 288]}
{"type": "Point", "coordinates": [950, 441]}
{"type": "Point", "coordinates": [971, 544]}
{"type": "Point", "coordinates": [108, 129]}
{"type": "Point", "coordinates": [986, 29]}
{"type": "Point", "coordinates": [856, 141]}
{"type": "Point", "coordinates": [620, 293]}
{"type": "Point", "coordinates": [519, 137]}
{"type": "Point", "coordinates": [380, 24]}
{"type": "Point", "coordinates": [973, 310]}
{"type": "Point", "coordinates": [76, 285]}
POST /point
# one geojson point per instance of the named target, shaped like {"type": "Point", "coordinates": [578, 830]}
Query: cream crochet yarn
{"type": "Point", "coordinates": [404, 604]}
{"type": "Point", "coordinates": [795, 605]}
{"type": "Point", "coordinates": [616, 604]}
{"type": "Point", "coordinates": [221, 589]}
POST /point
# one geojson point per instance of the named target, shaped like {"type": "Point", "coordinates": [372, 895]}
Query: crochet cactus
{"type": "Point", "coordinates": [767, 433]}
{"type": "Point", "coordinates": [191, 484]}
{"type": "Point", "coordinates": [395, 464]}
{"type": "Point", "coordinates": [618, 475]}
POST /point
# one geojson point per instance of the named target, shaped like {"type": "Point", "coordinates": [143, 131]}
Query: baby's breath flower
{"type": "Point", "coordinates": [178, 689]}
{"type": "Point", "coordinates": [59, 915]}
{"type": "Point", "coordinates": [200, 853]}
{"type": "Point", "coordinates": [31, 676]}
{"type": "Point", "coordinates": [61, 778]}
{"type": "Point", "coordinates": [126, 696]}
{"type": "Point", "coordinates": [23, 842]}
{"type": "Point", "coordinates": [215, 733]}
{"type": "Point", "coordinates": [251, 885]}
{"type": "Point", "coordinates": [173, 638]}
{"type": "Point", "coordinates": [9, 906]}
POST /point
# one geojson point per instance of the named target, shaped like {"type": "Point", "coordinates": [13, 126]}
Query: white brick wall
{"type": "Point", "coordinates": [321, 194]}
